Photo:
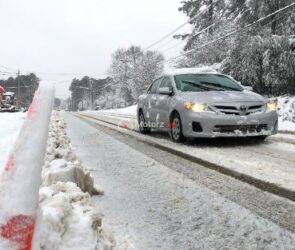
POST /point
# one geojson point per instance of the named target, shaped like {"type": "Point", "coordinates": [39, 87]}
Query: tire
{"type": "Point", "coordinates": [176, 131]}
{"type": "Point", "coordinates": [143, 129]}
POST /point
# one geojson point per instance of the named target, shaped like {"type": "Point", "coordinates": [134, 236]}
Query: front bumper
{"type": "Point", "coordinates": [221, 125]}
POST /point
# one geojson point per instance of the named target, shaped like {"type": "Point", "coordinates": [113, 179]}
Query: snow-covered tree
{"type": "Point", "coordinates": [133, 69]}
{"type": "Point", "coordinates": [202, 14]}
{"type": "Point", "coordinates": [210, 20]}
{"type": "Point", "coordinates": [259, 56]}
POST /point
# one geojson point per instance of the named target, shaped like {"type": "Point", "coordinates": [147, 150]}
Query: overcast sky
{"type": "Point", "coordinates": [77, 37]}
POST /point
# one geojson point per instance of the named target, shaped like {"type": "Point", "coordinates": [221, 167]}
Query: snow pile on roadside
{"type": "Point", "coordinates": [67, 217]}
{"type": "Point", "coordinates": [286, 110]}
{"type": "Point", "coordinates": [131, 110]}
{"type": "Point", "coordinates": [69, 220]}
{"type": "Point", "coordinates": [10, 124]}
{"type": "Point", "coordinates": [60, 162]}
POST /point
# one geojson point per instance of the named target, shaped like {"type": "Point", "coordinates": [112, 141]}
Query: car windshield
{"type": "Point", "coordinates": [205, 82]}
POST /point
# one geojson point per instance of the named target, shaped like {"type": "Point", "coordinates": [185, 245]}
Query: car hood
{"type": "Point", "coordinates": [211, 97]}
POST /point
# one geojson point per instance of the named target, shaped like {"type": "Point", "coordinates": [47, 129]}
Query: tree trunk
{"type": "Point", "coordinates": [274, 7]}
{"type": "Point", "coordinates": [210, 15]}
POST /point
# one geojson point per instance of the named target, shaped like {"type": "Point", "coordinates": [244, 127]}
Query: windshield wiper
{"type": "Point", "coordinates": [200, 86]}
{"type": "Point", "coordinates": [205, 86]}
{"type": "Point", "coordinates": [220, 86]}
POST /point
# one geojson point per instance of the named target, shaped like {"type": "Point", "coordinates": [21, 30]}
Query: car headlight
{"type": "Point", "coordinates": [196, 107]}
{"type": "Point", "coordinates": [272, 105]}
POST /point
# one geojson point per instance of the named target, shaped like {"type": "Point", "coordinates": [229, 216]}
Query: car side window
{"type": "Point", "coordinates": [167, 83]}
{"type": "Point", "coordinates": [155, 86]}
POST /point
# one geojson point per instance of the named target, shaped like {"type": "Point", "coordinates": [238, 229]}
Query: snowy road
{"type": "Point", "coordinates": [271, 163]}
{"type": "Point", "coordinates": [156, 200]}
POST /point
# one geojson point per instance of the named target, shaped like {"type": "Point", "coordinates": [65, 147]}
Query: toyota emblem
{"type": "Point", "coordinates": [243, 108]}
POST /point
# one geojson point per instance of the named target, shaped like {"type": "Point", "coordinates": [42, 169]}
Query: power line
{"type": "Point", "coordinates": [166, 36]}
{"type": "Point", "coordinates": [173, 47]}
{"type": "Point", "coordinates": [198, 33]}
{"type": "Point", "coordinates": [6, 72]}
{"type": "Point", "coordinates": [7, 68]}
{"type": "Point", "coordinates": [179, 27]}
{"type": "Point", "coordinates": [53, 73]}
{"type": "Point", "coordinates": [233, 32]}
{"type": "Point", "coordinates": [150, 46]}
{"type": "Point", "coordinates": [166, 43]}
{"type": "Point", "coordinates": [46, 73]}
{"type": "Point", "coordinates": [65, 74]}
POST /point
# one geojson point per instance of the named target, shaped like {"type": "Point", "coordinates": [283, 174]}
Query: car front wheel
{"type": "Point", "coordinates": [176, 132]}
{"type": "Point", "coordinates": [143, 127]}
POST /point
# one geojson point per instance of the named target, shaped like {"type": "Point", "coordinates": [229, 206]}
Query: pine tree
{"type": "Point", "coordinates": [201, 14]}
{"type": "Point", "coordinates": [260, 56]}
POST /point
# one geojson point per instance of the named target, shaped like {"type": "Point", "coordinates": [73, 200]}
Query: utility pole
{"type": "Point", "coordinates": [83, 94]}
{"type": "Point", "coordinates": [91, 94]}
{"type": "Point", "coordinates": [18, 88]}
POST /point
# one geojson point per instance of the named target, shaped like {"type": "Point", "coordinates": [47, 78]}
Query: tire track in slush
{"type": "Point", "coordinates": [277, 209]}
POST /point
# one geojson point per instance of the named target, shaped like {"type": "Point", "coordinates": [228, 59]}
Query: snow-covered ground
{"type": "Point", "coordinates": [286, 110]}
{"type": "Point", "coordinates": [67, 217]}
{"type": "Point", "coordinates": [151, 206]}
{"type": "Point", "coordinates": [124, 111]}
{"type": "Point", "coordinates": [271, 161]}
{"type": "Point", "coordinates": [10, 125]}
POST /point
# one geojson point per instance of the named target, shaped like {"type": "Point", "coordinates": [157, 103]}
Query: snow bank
{"type": "Point", "coordinates": [131, 110]}
{"type": "Point", "coordinates": [68, 220]}
{"type": "Point", "coordinates": [286, 110]}
{"type": "Point", "coordinates": [21, 176]}
{"type": "Point", "coordinates": [61, 164]}
{"type": "Point", "coordinates": [67, 217]}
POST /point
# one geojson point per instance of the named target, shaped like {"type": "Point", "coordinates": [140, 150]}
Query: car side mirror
{"type": "Point", "coordinates": [248, 88]}
{"type": "Point", "coordinates": [165, 91]}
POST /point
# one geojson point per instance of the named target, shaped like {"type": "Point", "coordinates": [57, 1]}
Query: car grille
{"type": "Point", "coordinates": [243, 128]}
{"type": "Point", "coordinates": [241, 110]}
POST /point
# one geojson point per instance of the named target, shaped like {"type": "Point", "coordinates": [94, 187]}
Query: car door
{"type": "Point", "coordinates": [151, 110]}
{"type": "Point", "coordinates": [163, 103]}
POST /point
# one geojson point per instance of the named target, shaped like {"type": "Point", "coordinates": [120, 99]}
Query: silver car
{"type": "Point", "coordinates": [196, 103]}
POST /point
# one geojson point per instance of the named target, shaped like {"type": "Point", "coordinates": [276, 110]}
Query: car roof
{"type": "Point", "coordinates": [185, 71]}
